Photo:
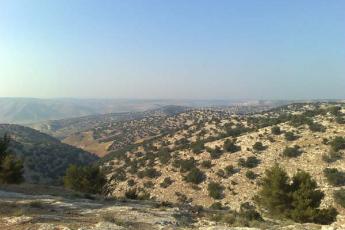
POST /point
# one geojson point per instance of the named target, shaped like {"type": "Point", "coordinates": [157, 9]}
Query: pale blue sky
{"type": "Point", "coordinates": [223, 49]}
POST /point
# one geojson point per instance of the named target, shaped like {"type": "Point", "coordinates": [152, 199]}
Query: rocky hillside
{"type": "Point", "coordinates": [46, 208]}
{"type": "Point", "coordinates": [104, 134]}
{"type": "Point", "coordinates": [45, 158]}
{"type": "Point", "coordinates": [216, 160]}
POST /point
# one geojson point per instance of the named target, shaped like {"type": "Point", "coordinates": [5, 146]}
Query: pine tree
{"type": "Point", "coordinates": [273, 195]}
{"type": "Point", "coordinates": [11, 168]}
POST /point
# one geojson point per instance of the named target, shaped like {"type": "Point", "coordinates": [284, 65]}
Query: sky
{"type": "Point", "coordinates": [173, 49]}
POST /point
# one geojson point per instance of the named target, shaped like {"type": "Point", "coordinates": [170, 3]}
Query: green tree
{"type": "Point", "coordinates": [273, 195]}
{"type": "Point", "coordinates": [305, 198]}
{"type": "Point", "coordinates": [11, 168]}
{"type": "Point", "coordinates": [299, 200]}
{"type": "Point", "coordinates": [88, 179]}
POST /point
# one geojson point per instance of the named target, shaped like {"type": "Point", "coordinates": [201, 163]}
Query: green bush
{"type": "Point", "coordinates": [230, 170]}
{"type": "Point", "coordinates": [250, 175]}
{"type": "Point", "coordinates": [151, 173]}
{"type": "Point", "coordinates": [315, 127]}
{"type": "Point", "coordinates": [186, 165]}
{"type": "Point", "coordinates": [198, 147]}
{"type": "Point", "coordinates": [215, 153]}
{"type": "Point", "coordinates": [250, 162]}
{"type": "Point", "coordinates": [195, 176]}
{"type": "Point", "coordinates": [340, 120]}
{"type": "Point", "coordinates": [292, 151]}
{"type": "Point", "coordinates": [88, 179]}
{"type": "Point", "coordinates": [335, 110]}
{"type": "Point", "coordinates": [258, 146]}
{"type": "Point", "coordinates": [334, 176]}
{"type": "Point", "coordinates": [332, 156]}
{"type": "Point", "coordinates": [206, 164]}
{"type": "Point", "coordinates": [230, 146]}
{"type": "Point", "coordinates": [166, 182]}
{"type": "Point", "coordinates": [290, 136]}
{"type": "Point", "coordinates": [215, 190]}
{"type": "Point", "coordinates": [337, 143]}
{"type": "Point", "coordinates": [339, 197]}
{"type": "Point", "coordinates": [276, 130]}
{"type": "Point", "coordinates": [164, 156]}
{"type": "Point", "coordinates": [299, 200]}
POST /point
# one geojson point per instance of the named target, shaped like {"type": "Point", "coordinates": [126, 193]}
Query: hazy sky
{"type": "Point", "coordinates": [266, 49]}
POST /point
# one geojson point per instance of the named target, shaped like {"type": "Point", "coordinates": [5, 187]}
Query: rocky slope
{"type": "Point", "coordinates": [178, 167]}
{"type": "Point", "coordinates": [51, 208]}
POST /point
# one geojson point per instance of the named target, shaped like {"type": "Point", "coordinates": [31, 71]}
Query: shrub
{"type": "Point", "coordinates": [337, 143]}
{"type": "Point", "coordinates": [258, 146]}
{"type": "Point", "coordinates": [216, 153]}
{"type": "Point", "coordinates": [332, 156]}
{"type": "Point", "coordinates": [195, 176]}
{"type": "Point", "coordinates": [276, 130]}
{"type": "Point", "coordinates": [186, 165]}
{"type": "Point", "coordinates": [334, 176]}
{"type": "Point", "coordinates": [166, 182]}
{"type": "Point", "coordinates": [292, 151]}
{"type": "Point", "coordinates": [250, 162]}
{"type": "Point", "coordinates": [131, 194]}
{"type": "Point", "coordinates": [164, 156]}
{"type": "Point", "coordinates": [206, 164]}
{"type": "Point", "coordinates": [149, 184]}
{"type": "Point", "coordinates": [218, 206]}
{"type": "Point", "coordinates": [215, 190]}
{"type": "Point", "coordinates": [231, 147]}
{"type": "Point", "coordinates": [88, 179]}
{"type": "Point", "coordinates": [290, 136]}
{"type": "Point", "coordinates": [315, 127]}
{"type": "Point", "coordinates": [299, 201]}
{"type": "Point", "coordinates": [339, 197]}
{"type": "Point", "coordinates": [250, 175]}
{"type": "Point", "coordinates": [335, 110]}
{"type": "Point", "coordinates": [340, 120]}
{"type": "Point", "coordinates": [131, 182]}
{"type": "Point", "coordinates": [151, 173]}
{"type": "Point", "coordinates": [198, 147]}
{"type": "Point", "coordinates": [230, 170]}
{"type": "Point", "coordinates": [248, 212]}
{"type": "Point", "coordinates": [220, 173]}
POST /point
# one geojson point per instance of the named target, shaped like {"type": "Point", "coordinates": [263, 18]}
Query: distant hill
{"type": "Point", "coordinates": [45, 158]}
{"type": "Point", "coordinates": [31, 110]}
{"type": "Point", "coordinates": [101, 134]}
